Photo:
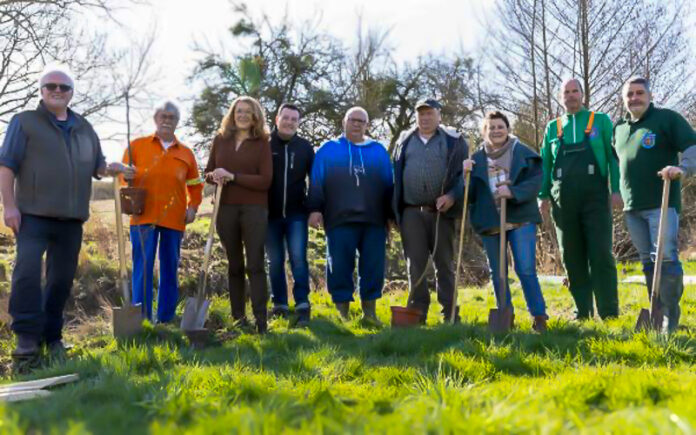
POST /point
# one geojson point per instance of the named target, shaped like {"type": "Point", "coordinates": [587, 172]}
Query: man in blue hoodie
{"type": "Point", "coordinates": [350, 193]}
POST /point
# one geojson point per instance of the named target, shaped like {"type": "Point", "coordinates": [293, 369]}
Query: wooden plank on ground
{"type": "Point", "coordinates": [39, 383]}
{"type": "Point", "coordinates": [17, 396]}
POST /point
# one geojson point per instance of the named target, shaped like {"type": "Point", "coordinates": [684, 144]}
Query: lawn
{"type": "Point", "coordinates": [336, 377]}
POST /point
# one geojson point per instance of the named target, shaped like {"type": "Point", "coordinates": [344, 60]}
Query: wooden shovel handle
{"type": "Point", "coordinates": [503, 254]}
{"type": "Point", "coordinates": [209, 244]}
{"type": "Point", "coordinates": [657, 274]}
{"type": "Point", "coordinates": [123, 274]}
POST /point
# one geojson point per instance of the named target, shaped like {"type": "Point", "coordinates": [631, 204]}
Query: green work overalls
{"type": "Point", "coordinates": [582, 213]}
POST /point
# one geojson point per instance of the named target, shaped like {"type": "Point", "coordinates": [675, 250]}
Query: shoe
{"type": "Point", "coordinates": [539, 324]}
{"type": "Point", "coordinates": [343, 310]}
{"type": "Point", "coordinates": [242, 323]}
{"type": "Point", "coordinates": [447, 315]}
{"type": "Point", "coordinates": [302, 317]}
{"type": "Point", "coordinates": [370, 313]}
{"type": "Point", "coordinates": [27, 346]}
{"type": "Point", "coordinates": [280, 312]}
{"type": "Point", "coordinates": [57, 349]}
{"type": "Point", "coordinates": [261, 327]}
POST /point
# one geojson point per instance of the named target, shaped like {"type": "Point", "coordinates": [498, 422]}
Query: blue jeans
{"type": "Point", "coordinates": [643, 226]}
{"type": "Point", "coordinates": [522, 241]}
{"type": "Point", "coordinates": [290, 231]}
{"type": "Point", "coordinates": [38, 312]}
{"type": "Point", "coordinates": [342, 242]}
{"type": "Point", "coordinates": [144, 240]}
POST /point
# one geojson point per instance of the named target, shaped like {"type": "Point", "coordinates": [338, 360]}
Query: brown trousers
{"type": "Point", "coordinates": [242, 230]}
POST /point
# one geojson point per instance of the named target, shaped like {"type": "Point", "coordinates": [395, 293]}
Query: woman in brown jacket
{"type": "Point", "coordinates": [240, 160]}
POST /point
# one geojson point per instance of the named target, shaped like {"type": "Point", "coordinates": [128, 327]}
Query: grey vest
{"type": "Point", "coordinates": [52, 181]}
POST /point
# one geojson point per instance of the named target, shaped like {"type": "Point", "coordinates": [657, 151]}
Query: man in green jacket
{"type": "Point", "coordinates": [578, 158]}
{"type": "Point", "coordinates": [648, 142]}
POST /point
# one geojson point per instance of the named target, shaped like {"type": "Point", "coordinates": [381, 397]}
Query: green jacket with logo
{"type": "Point", "coordinates": [574, 132]}
{"type": "Point", "coordinates": [644, 147]}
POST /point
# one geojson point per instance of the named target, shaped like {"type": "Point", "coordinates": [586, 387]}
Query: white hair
{"type": "Point", "coordinates": [168, 106]}
{"type": "Point", "coordinates": [56, 68]}
{"type": "Point", "coordinates": [356, 109]}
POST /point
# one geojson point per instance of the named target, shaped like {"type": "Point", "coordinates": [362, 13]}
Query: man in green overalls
{"type": "Point", "coordinates": [578, 158]}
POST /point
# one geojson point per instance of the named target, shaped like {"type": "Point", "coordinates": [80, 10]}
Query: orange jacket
{"type": "Point", "coordinates": [167, 176]}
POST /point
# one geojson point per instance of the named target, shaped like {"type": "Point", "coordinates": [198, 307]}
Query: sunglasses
{"type": "Point", "coordinates": [53, 86]}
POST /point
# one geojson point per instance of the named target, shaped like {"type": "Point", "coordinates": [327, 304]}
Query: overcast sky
{"type": "Point", "coordinates": [415, 27]}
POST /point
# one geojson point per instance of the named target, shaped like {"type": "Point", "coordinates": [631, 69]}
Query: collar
{"type": "Point", "coordinates": [155, 138]}
{"type": "Point", "coordinates": [648, 111]}
{"type": "Point", "coordinates": [72, 118]}
{"type": "Point", "coordinates": [583, 109]}
{"type": "Point", "coordinates": [276, 136]}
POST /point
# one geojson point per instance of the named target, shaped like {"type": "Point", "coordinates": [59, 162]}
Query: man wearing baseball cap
{"type": "Point", "coordinates": [428, 187]}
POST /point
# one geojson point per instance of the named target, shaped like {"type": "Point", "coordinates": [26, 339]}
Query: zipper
{"type": "Point", "coordinates": [575, 138]}
{"type": "Point", "coordinates": [285, 183]}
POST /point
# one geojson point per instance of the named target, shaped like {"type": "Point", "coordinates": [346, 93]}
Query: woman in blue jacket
{"type": "Point", "coordinates": [506, 168]}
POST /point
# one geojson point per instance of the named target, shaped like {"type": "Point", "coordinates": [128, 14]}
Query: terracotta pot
{"type": "Point", "coordinates": [403, 316]}
{"type": "Point", "coordinates": [133, 200]}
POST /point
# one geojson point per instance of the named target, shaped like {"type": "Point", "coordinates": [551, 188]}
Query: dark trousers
{"type": "Point", "coordinates": [342, 243]}
{"type": "Point", "coordinates": [242, 230]}
{"type": "Point", "coordinates": [418, 238]}
{"type": "Point", "coordinates": [37, 311]}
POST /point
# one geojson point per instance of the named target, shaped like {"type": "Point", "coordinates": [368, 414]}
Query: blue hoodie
{"type": "Point", "coordinates": [351, 183]}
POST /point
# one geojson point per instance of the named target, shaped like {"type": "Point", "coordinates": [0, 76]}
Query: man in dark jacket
{"type": "Point", "coordinates": [287, 213]}
{"type": "Point", "coordinates": [428, 188]}
{"type": "Point", "coordinates": [47, 162]}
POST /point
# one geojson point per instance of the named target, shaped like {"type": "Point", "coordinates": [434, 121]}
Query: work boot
{"type": "Point", "coordinates": [370, 312]}
{"type": "Point", "coordinates": [27, 346]}
{"type": "Point", "coordinates": [344, 310]}
{"type": "Point", "coordinates": [57, 349]}
{"type": "Point", "coordinates": [539, 324]}
{"type": "Point", "coordinates": [280, 312]}
{"type": "Point", "coordinates": [303, 316]}
{"type": "Point", "coordinates": [447, 315]}
{"type": "Point", "coordinates": [261, 322]}
{"type": "Point", "coordinates": [671, 290]}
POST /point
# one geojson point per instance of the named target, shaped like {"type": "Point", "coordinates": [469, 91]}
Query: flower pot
{"type": "Point", "coordinates": [403, 316]}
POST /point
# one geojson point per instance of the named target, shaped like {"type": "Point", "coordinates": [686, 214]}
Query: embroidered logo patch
{"type": "Point", "coordinates": [594, 133]}
{"type": "Point", "coordinates": [649, 140]}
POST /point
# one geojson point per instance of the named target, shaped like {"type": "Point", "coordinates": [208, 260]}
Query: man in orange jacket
{"type": "Point", "coordinates": [168, 172]}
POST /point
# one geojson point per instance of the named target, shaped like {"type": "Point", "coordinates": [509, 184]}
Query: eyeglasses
{"type": "Point", "coordinates": [53, 86]}
{"type": "Point", "coordinates": [357, 121]}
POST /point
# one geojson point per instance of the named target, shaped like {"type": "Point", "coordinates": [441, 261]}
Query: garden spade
{"type": "Point", "coordinates": [196, 308]}
{"type": "Point", "coordinates": [500, 318]}
{"type": "Point", "coordinates": [128, 319]}
{"type": "Point", "coordinates": [652, 318]}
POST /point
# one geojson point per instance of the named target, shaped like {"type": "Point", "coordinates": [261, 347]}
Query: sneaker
{"type": "Point", "coordinates": [27, 346]}
{"type": "Point", "coordinates": [280, 312]}
{"type": "Point", "coordinates": [539, 324]}
{"type": "Point", "coordinates": [303, 316]}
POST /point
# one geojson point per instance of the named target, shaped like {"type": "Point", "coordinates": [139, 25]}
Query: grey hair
{"type": "Point", "coordinates": [637, 80]}
{"type": "Point", "coordinates": [56, 69]}
{"type": "Point", "coordinates": [572, 79]}
{"type": "Point", "coordinates": [168, 106]}
{"type": "Point", "coordinates": [356, 109]}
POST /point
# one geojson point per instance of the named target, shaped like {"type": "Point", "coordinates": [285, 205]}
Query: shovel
{"type": "Point", "coordinates": [128, 319]}
{"type": "Point", "coordinates": [453, 313]}
{"type": "Point", "coordinates": [196, 308]}
{"type": "Point", "coordinates": [652, 318]}
{"type": "Point", "coordinates": [500, 318]}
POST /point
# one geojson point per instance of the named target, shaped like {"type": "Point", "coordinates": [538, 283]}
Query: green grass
{"type": "Point", "coordinates": [336, 377]}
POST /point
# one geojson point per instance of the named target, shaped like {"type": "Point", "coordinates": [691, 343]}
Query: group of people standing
{"type": "Point", "coordinates": [274, 187]}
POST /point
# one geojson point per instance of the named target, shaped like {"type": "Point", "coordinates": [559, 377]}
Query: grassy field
{"type": "Point", "coordinates": [336, 377]}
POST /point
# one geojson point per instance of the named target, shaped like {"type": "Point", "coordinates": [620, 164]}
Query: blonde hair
{"type": "Point", "coordinates": [259, 128]}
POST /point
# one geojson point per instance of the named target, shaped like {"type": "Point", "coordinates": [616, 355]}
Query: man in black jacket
{"type": "Point", "coordinates": [428, 187]}
{"type": "Point", "coordinates": [287, 213]}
